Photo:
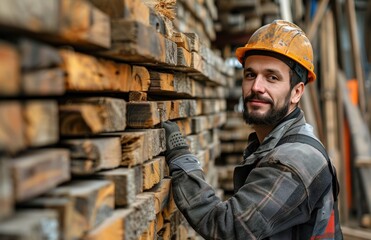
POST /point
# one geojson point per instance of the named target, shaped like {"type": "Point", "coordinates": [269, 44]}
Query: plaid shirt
{"type": "Point", "coordinates": [280, 192]}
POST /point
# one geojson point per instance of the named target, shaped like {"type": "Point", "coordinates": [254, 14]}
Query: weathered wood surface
{"type": "Point", "coordinates": [6, 193]}
{"type": "Point", "coordinates": [154, 141]}
{"type": "Point", "coordinates": [12, 127]}
{"type": "Point", "coordinates": [98, 153]}
{"type": "Point", "coordinates": [41, 117]}
{"type": "Point", "coordinates": [142, 114]}
{"type": "Point", "coordinates": [45, 82]}
{"type": "Point", "coordinates": [150, 232]}
{"type": "Point", "coordinates": [92, 115]}
{"type": "Point", "coordinates": [153, 172]}
{"type": "Point", "coordinates": [178, 83]}
{"type": "Point", "coordinates": [177, 108]}
{"type": "Point", "coordinates": [93, 202]}
{"type": "Point", "coordinates": [67, 22]}
{"type": "Point", "coordinates": [162, 194]}
{"type": "Point", "coordinates": [38, 171]}
{"type": "Point", "coordinates": [88, 73]}
{"type": "Point", "coordinates": [124, 9]}
{"type": "Point", "coordinates": [10, 81]}
{"type": "Point", "coordinates": [119, 226]}
{"type": "Point", "coordinates": [135, 42]}
{"type": "Point", "coordinates": [125, 188]}
{"type": "Point", "coordinates": [62, 206]}
{"type": "Point", "coordinates": [30, 224]}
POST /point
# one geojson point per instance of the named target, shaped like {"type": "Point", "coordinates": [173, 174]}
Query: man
{"type": "Point", "coordinates": [286, 188]}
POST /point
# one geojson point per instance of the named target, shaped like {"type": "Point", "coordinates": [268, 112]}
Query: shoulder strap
{"type": "Point", "coordinates": [317, 145]}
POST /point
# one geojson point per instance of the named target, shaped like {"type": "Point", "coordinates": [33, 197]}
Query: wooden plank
{"type": "Point", "coordinates": [31, 224]}
{"type": "Point", "coordinates": [185, 125]}
{"type": "Point", "coordinates": [140, 79]}
{"type": "Point", "coordinates": [179, 84]}
{"type": "Point", "coordinates": [153, 172]}
{"type": "Point", "coordinates": [184, 58]}
{"type": "Point", "coordinates": [177, 108]}
{"type": "Point", "coordinates": [124, 9]}
{"type": "Point", "coordinates": [12, 128]}
{"type": "Point", "coordinates": [103, 153]}
{"type": "Point", "coordinates": [10, 81]}
{"type": "Point", "coordinates": [38, 171]}
{"type": "Point", "coordinates": [92, 115]}
{"type": "Point", "coordinates": [62, 206]}
{"type": "Point", "coordinates": [142, 114]}
{"type": "Point", "coordinates": [137, 43]}
{"type": "Point", "coordinates": [162, 194]}
{"type": "Point", "coordinates": [81, 23]}
{"type": "Point", "coordinates": [182, 40]}
{"type": "Point", "coordinates": [145, 211]}
{"type": "Point", "coordinates": [88, 73]}
{"type": "Point", "coordinates": [68, 22]}
{"type": "Point", "coordinates": [125, 189]}
{"type": "Point", "coordinates": [134, 147]}
{"type": "Point", "coordinates": [41, 117]}
{"type": "Point", "coordinates": [119, 226]}
{"type": "Point", "coordinates": [46, 82]}
{"type": "Point", "coordinates": [150, 232]}
{"type": "Point", "coordinates": [97, 197]}
{"type": "Point", "coordinates": [6, 191]}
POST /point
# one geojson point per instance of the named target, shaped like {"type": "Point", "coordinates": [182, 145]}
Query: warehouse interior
{"type": "Point", "coordinates": [85, 85]}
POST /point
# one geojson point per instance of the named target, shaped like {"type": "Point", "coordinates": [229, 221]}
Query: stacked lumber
{"type": "Point", "coordinates": [85, 86]}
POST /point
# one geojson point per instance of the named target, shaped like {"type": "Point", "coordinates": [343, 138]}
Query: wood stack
{"type": "Point", "coordinates": [85, 86]}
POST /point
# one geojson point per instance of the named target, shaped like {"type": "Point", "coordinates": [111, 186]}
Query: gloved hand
{"type": "Point", "coordinates": [176, 145]}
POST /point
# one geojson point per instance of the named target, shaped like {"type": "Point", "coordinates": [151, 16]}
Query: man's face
{"type": "Point", "coordinates": [266, 90]}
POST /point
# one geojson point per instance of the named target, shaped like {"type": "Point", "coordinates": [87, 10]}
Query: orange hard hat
{"type": "Point", "coordinates": [284, 38]}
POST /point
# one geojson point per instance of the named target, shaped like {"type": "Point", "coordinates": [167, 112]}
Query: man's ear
{"type": "Point", "coordinates": [297, 92]}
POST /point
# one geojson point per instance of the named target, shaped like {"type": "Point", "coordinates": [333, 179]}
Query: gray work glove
{"type": "Point", "coordinates": [176, 145]}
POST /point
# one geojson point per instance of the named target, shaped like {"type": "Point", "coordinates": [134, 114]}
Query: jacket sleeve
{"type": "Point", "coordinates": [271, 201]}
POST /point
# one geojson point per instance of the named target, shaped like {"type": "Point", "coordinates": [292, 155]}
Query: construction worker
{"type": "Point", "coordinates": [286, 187]}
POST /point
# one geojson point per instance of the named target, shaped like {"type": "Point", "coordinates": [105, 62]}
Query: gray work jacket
{"type": "Point", "coordinates": [282, 192]}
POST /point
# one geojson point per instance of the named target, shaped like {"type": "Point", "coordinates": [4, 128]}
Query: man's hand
{"type": "Point", "coordinates": [176, 145]}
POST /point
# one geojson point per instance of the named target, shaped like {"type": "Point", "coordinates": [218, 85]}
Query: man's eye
{"type": "Point", "coordinates": [249, 75]}
{"type": "Point", "coordinates": [272, 78]}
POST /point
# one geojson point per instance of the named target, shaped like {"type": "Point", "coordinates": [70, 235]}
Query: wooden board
{"type": "Point", "coordinates": [125, 188]}
{"type": "Point", "coordinates": [153, 172]}
{"type": "Point", "coordinates": [162, 194]}
{"type": "Point", "coordinates": [88, 73]}
{"type": "Point", "coordinates": [38, 171]}
{"type": "Point", "coordinates": [117, 227]}
{"type": "Point", "coordinates": [41, 118]}
{"type": "Point", "coordinates": [46, 82]}
{"type": "Point", "coordinates": [124, 9]}
{"type": "Point", "coordinates": [68, 22]}
{"type": "Point", "coordinates": [177, 84]}
{"type": "Point", "coordinates": [6, 191]}
{"type": "Point", "coordinates": [10, 81]}
{"type": "Point", "coordinates": [12, 128]}
{"type": "Point", "coordinates": [62, 206]}
{"type": "Point", "coordinates": [92, 115]}
{"type": "Point", "coordinates": [142, 114]}
{"type": "Point", "coordinates": [135, 42]}
{"type": "Point", "coordinates": [96, 197]}
{"type": "Point", "coordinates": [30, 224]}
{"type": "Point", "coordinates": [103, 153]}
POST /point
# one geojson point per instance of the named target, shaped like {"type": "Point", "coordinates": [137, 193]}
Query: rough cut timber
{"type": "Point", "coordinates": [77, 23]}
{"type": "Point", "coordinates": [150, 232]}
{"type": "Point", "coordinates": [177, 109]}
{"type": "Point", "coordinates": [6, 193]}
{"type": "Point", "coordinates": [178, 84]}
{"type": "Point", "coordinates": [154, 141]}
{"type": "Point", "coordinates": [38, 171]}
{"type": "Point", "coordinates": [162, 194]}
{"type": "Point", "coordinates": [31, 224]}
{"type": "Point", "coordinates": [96, 197]}
{"type": "Point", "coordinates": [12, 127]}
{"type": "Point", "coordinates": [45, 82]}
{"type": "Point", "coordinates": [63, 206]}
{"type": "Point", "coordinates": [124, 9]}
{"type": "Point", "coordinates": [142, 114]}
{"type": "Point", "coordinates": [134, 147]}
{"type": "Point", "coordinates": [145, 211]}
{"type": "Point", "coordinates": [41, 117]}
{"type": "Point", "coordinates": [137, 43]}
{"type": "Point", "coordinates": [119, 226]}
{"type": "Point", "coordinates": [153, 172]}
{"type": "Point", "coordinates": [124, 180]}
{"type": "Point", "coordinates": [9, 70]}
{"type": "Point", "coordinates": [92, 115]}
{"type": "Point", "coordinates": [88, 73]}
{"type": "Point", "coordinates": [94, 154]}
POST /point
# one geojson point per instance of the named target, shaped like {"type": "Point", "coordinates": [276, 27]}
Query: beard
{"type": "Point", "coordinates": [271, 117]}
